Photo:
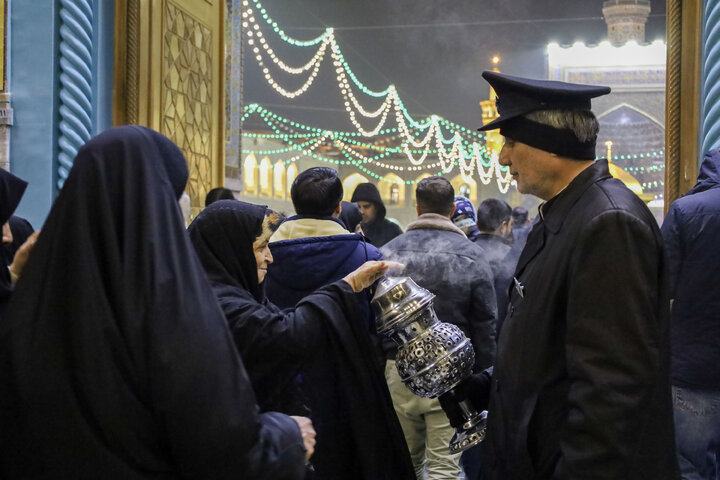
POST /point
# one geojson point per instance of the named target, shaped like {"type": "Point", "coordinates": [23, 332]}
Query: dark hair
{"type": "Point", "coordinates": [491, 213]}
{"type": "Point", "coordinates": [219, 193]}
{"type": "Point", "coordinates": [316, 192]}
{"type": "Point", "coordinates": [435, 195]}
{"type": "Point", "coordinates": [519, 215]}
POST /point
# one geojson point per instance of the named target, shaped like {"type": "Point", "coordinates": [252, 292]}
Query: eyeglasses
{"type": "Point", "coordinates": [508, 142]}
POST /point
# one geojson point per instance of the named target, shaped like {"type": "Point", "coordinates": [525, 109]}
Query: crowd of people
{"type": "Point", "coordinates": [244, 346]}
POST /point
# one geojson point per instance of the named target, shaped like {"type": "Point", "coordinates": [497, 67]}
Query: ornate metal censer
{"type": "Point", "coordinates": [433, 357]}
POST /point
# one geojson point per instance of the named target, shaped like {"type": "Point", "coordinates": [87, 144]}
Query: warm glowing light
{"type": "Point", "coordinates": [607, 55]}
{"type": "Point", "coordinates": [496, 60]}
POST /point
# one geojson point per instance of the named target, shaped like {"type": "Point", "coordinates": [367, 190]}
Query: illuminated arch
{"type": "Point", "coordinates": [350, 183]}
{"type": "Point", "coordinates": [250, 175]}
{"type": "Point", "coordinates": [292, 173]}
{"type": "Point", "coordinates": [461, 185]}
{"type": "Point", "coordinates": [265, 177]}
{"type": "Point", "coordinates": [392, 190]}
{"type": "Point", "coordinates": [279, 180]}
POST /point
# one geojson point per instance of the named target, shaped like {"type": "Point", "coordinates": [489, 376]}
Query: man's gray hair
{"type": "Point", "coordinates": [582, 122]}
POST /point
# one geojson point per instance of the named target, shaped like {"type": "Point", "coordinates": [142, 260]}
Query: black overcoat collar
{"type": "Point", "coordinates": [556, 210]}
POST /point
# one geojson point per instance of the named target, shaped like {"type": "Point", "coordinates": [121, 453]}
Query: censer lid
{"type": "Point", "coordinates": [396, 300]}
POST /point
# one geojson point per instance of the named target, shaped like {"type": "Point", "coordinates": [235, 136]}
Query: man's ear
{"type": "Point", "coordinates": [417, 209]}
{"type": "Point", "coordinates": [452, 211]}
{"type": "Point", "coordinates": [338, 210]}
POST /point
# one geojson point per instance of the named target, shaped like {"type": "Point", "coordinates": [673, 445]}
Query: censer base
{"type": "Point", "coordinates": [465, 439]}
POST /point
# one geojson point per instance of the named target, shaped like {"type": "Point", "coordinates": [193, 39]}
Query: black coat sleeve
{"type": "Point", "coordinates": [263, 331]}
{"type": "Point", "coordinates": [612, 353]}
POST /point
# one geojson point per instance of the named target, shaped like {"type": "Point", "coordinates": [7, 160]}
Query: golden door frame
{"type": "Point", "coordinates": [170, 76]}
{"type": "Point", "coordinates": [682, 107]}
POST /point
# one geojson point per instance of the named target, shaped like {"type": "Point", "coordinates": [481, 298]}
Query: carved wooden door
{"type": "Point", "coordinates": [170, 76]}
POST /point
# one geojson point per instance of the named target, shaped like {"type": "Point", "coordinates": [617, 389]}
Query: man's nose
{"type": "Point", "coordinates": [504, 157]}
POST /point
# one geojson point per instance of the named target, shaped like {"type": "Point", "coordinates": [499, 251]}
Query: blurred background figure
{"type": "Point", "coordinates": [11, 191]}
{"type": "Point", "coordinates": [464, 218]}
{"type": "Point", "coordinates": [521, 226]}
{"type": "Point", "coordinates": [494, 220]}
{"type": "Point", "coordinates": [219, 193]}
{"type": "Point", "coordinates": [378, 229]}
{"type": "Point", "coordinates": [350, 215]}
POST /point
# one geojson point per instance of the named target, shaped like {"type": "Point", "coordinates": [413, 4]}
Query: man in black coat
{"type": "Point", "coordinates": [580, 388]}
{"type": "Point", "coordinates": [378, 229]}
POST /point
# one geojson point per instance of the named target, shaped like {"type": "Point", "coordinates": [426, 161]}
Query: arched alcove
{"type": "Point", "coordinates": [265, 177]}
{"type": "Point", "coordinates": [392, 190]}
{"type": "Point", "coordinates": [466, 187]}
{"type": "Point", "coordinates": [279, 180]}
{"type": "Point", "coordinates": [350, 183]}
{"type": "Point", "coordinates": [636, 142]}
{"type": "Point", "coordinates": [292, 173]}
{"type": "Point", "coordinates": [250, 175]}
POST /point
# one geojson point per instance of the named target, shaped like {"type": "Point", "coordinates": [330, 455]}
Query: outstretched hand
{"type": "Point", "coordinates": [22, 254]}
{"type": "Point", "coordinates": [369, 272]}
{"type": "Point", "coordinates": [308, 434]}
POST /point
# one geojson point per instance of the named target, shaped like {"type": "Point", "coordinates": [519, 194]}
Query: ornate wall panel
{"type": "Point", "coordinates": [170, 76]}
{"type": "Point", "coordinates": [187, 100]}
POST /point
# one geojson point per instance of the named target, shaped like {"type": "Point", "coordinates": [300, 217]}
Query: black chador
{"type": "Point", "coordinates": [358, 434]}
{"type": "Point", "coordinates": [11, 191]}
{"type": "Point", "coordinates": [115, 360]}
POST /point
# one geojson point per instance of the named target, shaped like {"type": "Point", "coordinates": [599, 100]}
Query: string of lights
{"type": "Point", "coordinates": [355, 158]}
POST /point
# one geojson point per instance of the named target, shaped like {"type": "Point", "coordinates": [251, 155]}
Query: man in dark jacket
{"type": "Point", "coordinates": [691, 231]}
{"type": "Point", "coordinates": [378, 229]}
{"type": "Point", "coordinates": [313, 249]}
{"type": "Point", "coordinates": [494, 220]}
{"type": "Point", "coordinates": [310, 250]}
{"type": "Point", "coordinates": [441, 259]}
{"type": "Point", "coordinates": [580, 388]}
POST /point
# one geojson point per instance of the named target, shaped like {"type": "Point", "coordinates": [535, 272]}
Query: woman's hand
{"type": "Point", "coordinates": [308, 434]}
{"type": "Point", "coordinates": [22, 255]}
{"type": "Point", "coordinates": [369, 272]}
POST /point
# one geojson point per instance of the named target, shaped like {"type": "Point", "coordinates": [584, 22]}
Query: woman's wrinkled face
{"type": "Point", "coordinates": [261, 247]}
{"type": "Point", "coordinates": [263, 258]}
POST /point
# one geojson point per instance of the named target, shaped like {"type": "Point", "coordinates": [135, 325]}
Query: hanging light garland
{"type": "Point", "coordinates": [468, 155]}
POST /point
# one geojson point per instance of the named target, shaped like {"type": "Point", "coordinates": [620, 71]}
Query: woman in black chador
{"type": "Point", "coordinates": [115, 360]}
{"type": "Point", "coordinates": [359, 437]}
{"type": "Point", "coordinates": [11, 191]}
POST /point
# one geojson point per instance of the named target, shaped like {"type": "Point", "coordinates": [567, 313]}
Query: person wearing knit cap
{"type": "Point", "coordinates": [378, 229]}
{"type": "Point", "coordinates": [581, 384]}
{"type": "Point", "coordinates": [464, 217]}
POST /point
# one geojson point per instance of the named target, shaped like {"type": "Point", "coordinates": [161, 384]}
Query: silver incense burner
{"type": "Point", "coordinates": [433, 357]}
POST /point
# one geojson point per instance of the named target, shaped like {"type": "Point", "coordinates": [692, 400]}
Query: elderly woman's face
{"type": "Point", "coordinates": [261, 249]}
{"type": "Point", "coordinates": [263, 258]}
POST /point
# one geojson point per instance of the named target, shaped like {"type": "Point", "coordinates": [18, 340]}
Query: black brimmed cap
{"type": "Point", "coordinates": [517, 96]}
